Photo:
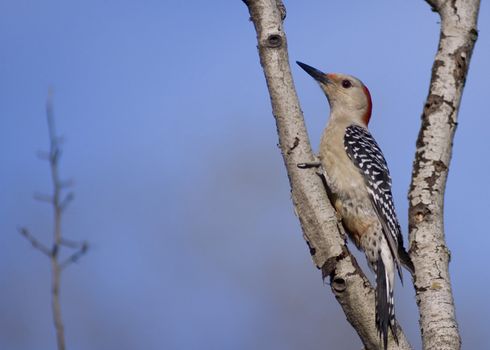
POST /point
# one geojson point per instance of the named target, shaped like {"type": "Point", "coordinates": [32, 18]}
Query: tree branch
{"type": "Point", "coordinates": [59, 203]}
{"type": "Point", "coordinates": [34, 242]}
{"type": "Point", "coordinates": [317, 217]}
{"type": "Point", "coordinates": [75, 256]}
{"type": "Point", "coordinates": [430, 168]}
{"type": "Point", "coordinates": [55, 153]}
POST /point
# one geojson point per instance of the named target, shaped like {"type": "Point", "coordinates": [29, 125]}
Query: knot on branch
{"type": "Point", "coordinates": [473, 34]}
{"type": "Point", "coordinates": [338, 284]}
{"type": "Point", "coordinates": [274, 41]}
{"type": "Point", "coordinates": [328, 268]}
{"type": "Point", "coordinates": [293, 146]}
{"type": "Point", "coordinates": [418, 213]}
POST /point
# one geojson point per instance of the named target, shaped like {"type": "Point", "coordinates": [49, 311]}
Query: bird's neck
{"type": "Point", "coordinates": [342, 118]}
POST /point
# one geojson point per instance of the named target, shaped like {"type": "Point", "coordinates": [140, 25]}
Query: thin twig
{"type": "Point", "coordinates": [34, 242]}
{"type": "Point", "coordinates": [59, 202]}
{"type": "Point", "coordinates": [75, 256]}
{"type": "Point", "coordinates": [55, 153]}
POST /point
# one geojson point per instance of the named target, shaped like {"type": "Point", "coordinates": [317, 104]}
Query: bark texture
{"type": "Point", "coordinates": [321, 230]}
{"type": "Point", "coordinates": [428, 248]}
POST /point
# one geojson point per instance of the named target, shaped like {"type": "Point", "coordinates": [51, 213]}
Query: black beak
{"type": "Point", "coordinates": [315, 73]}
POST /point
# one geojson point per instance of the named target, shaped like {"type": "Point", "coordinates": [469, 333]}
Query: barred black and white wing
{"type": "Point", "coordinates": [365, 153]}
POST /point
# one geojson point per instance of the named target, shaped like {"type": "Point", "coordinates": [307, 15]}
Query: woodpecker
{"type": "Point", "coordinates": [360, 188]}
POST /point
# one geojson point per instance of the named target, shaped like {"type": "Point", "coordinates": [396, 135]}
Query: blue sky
{"type": "Point", "coordinates": [180, 187]}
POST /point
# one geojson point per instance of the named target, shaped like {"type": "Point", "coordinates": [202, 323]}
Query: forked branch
{"type": "Point", "coordinates": [321, 230]}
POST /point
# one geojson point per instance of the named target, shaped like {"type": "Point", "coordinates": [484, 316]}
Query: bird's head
{"type": "Point", "coordinates": [347, 96]}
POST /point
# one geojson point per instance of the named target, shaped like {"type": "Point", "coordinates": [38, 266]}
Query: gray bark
{"type": "Point", "coordinates": [320, 226]}
{"type": "Point", "coordinates": [428, 248]}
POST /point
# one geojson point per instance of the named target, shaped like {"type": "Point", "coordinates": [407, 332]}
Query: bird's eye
{"type": "Point", "coordinates": [346, 84]}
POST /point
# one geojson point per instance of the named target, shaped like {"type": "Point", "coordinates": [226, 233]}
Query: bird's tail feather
{"type": "Point", "coordinates": [385, 307]}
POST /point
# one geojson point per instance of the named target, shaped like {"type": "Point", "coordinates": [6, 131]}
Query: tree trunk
{"type": "Point", "coordinates": [428, 250]}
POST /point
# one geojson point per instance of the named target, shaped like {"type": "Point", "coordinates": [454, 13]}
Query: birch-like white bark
{"type": "Point", "coordinates": [317, 217]}
{"type": "Point", "coordinates": [426, 196]}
